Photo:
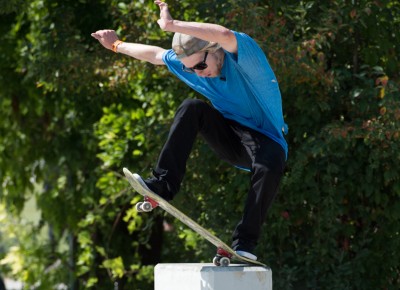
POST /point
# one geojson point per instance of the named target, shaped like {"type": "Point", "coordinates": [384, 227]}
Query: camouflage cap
{"type": "Point", "coordinates": [185, 45]}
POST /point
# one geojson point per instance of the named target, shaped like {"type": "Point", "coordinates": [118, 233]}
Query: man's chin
{"type": "Point", "coordinates": [211, 76]}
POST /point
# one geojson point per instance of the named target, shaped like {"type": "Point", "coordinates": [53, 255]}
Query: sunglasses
{"type": "Point", "coordinates": [200, 66]}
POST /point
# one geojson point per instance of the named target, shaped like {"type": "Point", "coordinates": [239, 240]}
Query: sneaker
{"type": "Point", "coordinates": [247, 255]}
{"type": "Point", "coordinates": [244, 248]}
{"type": "Point", "coordinates": [157, 186]}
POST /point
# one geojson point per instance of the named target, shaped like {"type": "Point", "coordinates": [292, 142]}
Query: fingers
{"type": "Point", "coordinates": [103, 33]}
{"type": "Point", "coordinates": [98, 34]}
{"type": "Point", "coordinates": [161, 3]}
{"type": "Point", "coordinates": [95, 35]}
{"type": "Point", "coordinates": [106, 37]}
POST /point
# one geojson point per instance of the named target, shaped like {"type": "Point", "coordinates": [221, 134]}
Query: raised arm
{"type": "Point", "coordinates": [149, 53]}
{"type": "Point", "coordinates": [205, 31]}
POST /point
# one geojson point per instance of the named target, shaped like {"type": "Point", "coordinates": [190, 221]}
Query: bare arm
{"type": "Point", "coordinates": [206, 31]}
{"type": "Point", "coordinates": [149, 53]}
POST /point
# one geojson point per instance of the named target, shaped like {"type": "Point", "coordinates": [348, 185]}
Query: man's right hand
{"type": "Point", "coordinates": [106, 37]}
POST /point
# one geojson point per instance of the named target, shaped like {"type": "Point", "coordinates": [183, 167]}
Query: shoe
{"type": "Point", "coordinates": [244, 248]}
{"type": "Point", "coordinates": [246, 255]}
{"type": "Point", "coordinates": [157, 186]}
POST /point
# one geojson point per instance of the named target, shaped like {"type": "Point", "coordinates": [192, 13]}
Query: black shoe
{"type": "Point", "coordinates": [159, 187]}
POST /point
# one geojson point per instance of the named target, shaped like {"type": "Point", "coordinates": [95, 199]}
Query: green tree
{"type": "Point", "coordinates": [74, 114]}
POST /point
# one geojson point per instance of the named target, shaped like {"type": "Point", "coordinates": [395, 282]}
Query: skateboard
{"type": "Point", "coordinates": [151, 200]}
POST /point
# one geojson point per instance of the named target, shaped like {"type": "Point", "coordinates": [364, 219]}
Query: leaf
{"type": "Point", "coordinates": [116, 266]}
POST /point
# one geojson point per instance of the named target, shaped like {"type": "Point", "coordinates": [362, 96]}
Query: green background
{"type": "Point", "coordinates": [73, 114]}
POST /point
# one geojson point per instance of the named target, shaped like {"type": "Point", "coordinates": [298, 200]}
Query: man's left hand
{"type": "Point", "coordinates": [165, 17]}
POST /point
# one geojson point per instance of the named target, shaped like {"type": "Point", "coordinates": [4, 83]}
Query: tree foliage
{"type": "Point", "coordinates": [74, 114]}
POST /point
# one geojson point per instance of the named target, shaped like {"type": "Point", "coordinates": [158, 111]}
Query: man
{"type": "Point", "coordinates": [244, 125]}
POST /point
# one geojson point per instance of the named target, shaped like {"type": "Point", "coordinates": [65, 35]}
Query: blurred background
{"type": "Point", "coordinates": [74, 114]}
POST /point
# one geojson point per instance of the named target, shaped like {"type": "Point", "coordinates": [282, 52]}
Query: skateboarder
{"type": "Point", "coordinates": [244, 125]}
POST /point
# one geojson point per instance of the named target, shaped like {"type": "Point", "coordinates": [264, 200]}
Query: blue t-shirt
{"type": "Point", "coordinates": [246, 91]}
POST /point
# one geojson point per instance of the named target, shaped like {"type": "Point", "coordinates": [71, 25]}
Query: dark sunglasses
{"type": "Point", "coordinates": [200, 66]}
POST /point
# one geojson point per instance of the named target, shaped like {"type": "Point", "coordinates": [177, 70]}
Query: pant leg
{"type": "Point", "coordinates": [191, 118]}
{"type": "Point", "coordinates": [268, 162]}
{"type": "Point", "coordinates": [234, 143]}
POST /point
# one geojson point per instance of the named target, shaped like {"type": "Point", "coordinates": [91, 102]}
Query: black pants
{"type": "Point", "coordinates": [234, 143]}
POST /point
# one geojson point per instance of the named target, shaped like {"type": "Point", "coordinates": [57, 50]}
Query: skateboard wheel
{"type": "Point", "coordinates": [146, 206]}
{"type": "Point", "coordinates": [224, 262]}
{"type": "Point", "coordinates": [138, 206]}
{"type": "Point", "coordinates": [216, 261]}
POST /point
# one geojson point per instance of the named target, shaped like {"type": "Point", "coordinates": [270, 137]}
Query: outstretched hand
{"type": "Point", "coordinates": [106, 37]}
{"type": "Point", "coordinates": [165, 17]}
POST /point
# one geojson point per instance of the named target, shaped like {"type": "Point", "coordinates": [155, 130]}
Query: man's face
{"type": "Point", "coordinates": [196, 62]}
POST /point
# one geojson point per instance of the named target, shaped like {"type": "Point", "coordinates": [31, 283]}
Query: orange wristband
{"type": "Point", "coordinates": [115, 45]}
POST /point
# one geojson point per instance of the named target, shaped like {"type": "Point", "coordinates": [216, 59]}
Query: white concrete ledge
{"type": "Point", "coordinates": [208, 276]}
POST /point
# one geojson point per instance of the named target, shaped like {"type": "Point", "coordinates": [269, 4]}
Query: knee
{"type": "Point", "coordinates": [271, 160]}
{"type": "Point", "coordinates": [191, 105]}
{"type": "Point", "coordinates": [266, 178]}
{"type": "Point", "coordinates": [273, 168]}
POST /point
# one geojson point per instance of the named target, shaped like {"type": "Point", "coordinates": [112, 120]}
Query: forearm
{"type": "Point", "coordinates": [205, 31]}
{"type": "Point", "coordinates": [149, 53]}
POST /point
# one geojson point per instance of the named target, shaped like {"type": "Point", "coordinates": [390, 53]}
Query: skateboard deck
{"type": "Point", "coordinates": [223, 249]}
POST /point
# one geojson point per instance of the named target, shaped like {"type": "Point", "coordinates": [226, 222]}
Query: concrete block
{"type": "Point", "coordinates": [207, 276]}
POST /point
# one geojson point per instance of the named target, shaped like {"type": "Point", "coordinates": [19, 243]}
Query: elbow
{"type": "Point", "coordinates": [227, 36]}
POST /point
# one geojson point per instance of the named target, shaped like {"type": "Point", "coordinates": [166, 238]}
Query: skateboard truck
{"type": "Point", "coordinates": [147, 205]}
{"type": "Point", "coordinates": [222, 258]}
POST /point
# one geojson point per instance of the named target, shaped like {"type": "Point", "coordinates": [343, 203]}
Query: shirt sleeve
{"type": "Point", "coordinates": [253, 63]}
{"type": "Point", "coordinates": [252, 60]}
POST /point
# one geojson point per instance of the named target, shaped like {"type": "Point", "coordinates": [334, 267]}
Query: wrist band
{"type": "Point", "coordinates": [115, 45]}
